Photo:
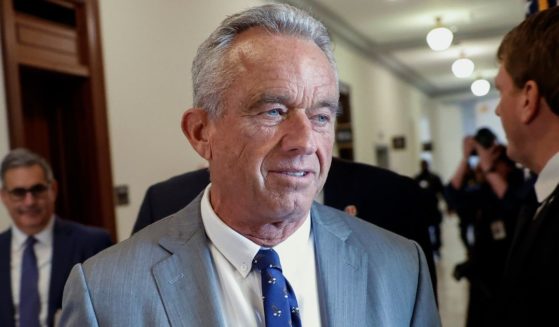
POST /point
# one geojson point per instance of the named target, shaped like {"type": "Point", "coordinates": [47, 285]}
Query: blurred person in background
{"type": "Point", "coordinates": [432, 184]}
{"type": "Point", "coordinates": [38, 251]}
{"type": "Point", "coordinates": [494, 199]}
{"type": "Point", "coordinates": [528, 83]}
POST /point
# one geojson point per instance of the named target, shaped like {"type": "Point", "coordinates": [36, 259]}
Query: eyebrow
{"type": "Point", "coordinates": [332, 105]}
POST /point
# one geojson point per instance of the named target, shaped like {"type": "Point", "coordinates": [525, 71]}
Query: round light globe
{"type": "Point", "coordinates": [463, 67]}
{"type": "Point", "coordinates": [480, 87]}
{"type": "Point", "coordinates": [439, 38]}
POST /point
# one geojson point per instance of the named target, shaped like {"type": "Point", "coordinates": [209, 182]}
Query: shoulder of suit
{"type": "Point", "coordinates": [357, 227]}
{"type": "Point", "coordinates": [200, 176]}
{"type": "Point", "coordinates": [80, 230]}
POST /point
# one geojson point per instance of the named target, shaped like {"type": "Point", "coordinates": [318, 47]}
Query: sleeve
{"type": "Point", "coordinates": [77, 305]}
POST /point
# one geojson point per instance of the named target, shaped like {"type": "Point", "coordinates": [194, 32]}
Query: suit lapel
{"type": "Point", "coordinates": [62, 247]}
{"type": "Point", "coordinates": [187, 280]}
{"type": "Point", "coordinates": [342, 279]}
{"type": "Point", "coordinates": [529, 228]}
{"type": "Point", "coordinates": [6, 303]}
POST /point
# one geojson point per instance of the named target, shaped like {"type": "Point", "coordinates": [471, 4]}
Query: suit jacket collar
{"type": "Point", "coordinates": [189, 270]}
{"type": "Point", "coordinates": [62, 249]}
{"type": "Point", "coordinates": [529, 227]}
{"type": "Point", "coordinates": [61, 262]}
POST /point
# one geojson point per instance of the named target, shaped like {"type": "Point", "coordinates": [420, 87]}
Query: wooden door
{"type": "Point", "coordinates": [56, 102]}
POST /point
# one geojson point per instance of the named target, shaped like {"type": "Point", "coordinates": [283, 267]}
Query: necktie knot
{"type": "Point", "coordinates": [30, 241]}
{"type": "Point", "coordinates": [266, 259]}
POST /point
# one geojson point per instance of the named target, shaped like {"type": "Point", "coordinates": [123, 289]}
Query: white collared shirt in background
{"type": "Point", "coordinates": [43, 252]}
{"type": "Point", "coordinates": [240, 287]}
{"type": "Point", "coordinates": [548, 179]}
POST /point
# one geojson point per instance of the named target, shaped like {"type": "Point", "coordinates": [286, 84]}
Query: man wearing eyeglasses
{"type": "Point", "coordinates": [38, 251]}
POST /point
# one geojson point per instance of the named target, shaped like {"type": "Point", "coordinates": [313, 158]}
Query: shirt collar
{"type": "Point", "coordinates": [239, 250]}
{"type": "Point", "coordinates": [548, 179]}
{"type": "Point", "coordinates": [43, 237]}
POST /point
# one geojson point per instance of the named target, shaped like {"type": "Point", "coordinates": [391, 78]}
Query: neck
{"type": "Point", "coordinates": [270, 235]}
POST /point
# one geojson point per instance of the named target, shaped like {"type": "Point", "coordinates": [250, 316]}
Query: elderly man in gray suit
{"type": "Point", "coordinates": [253, 249]}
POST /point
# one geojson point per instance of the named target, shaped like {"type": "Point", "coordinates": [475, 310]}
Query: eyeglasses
{"type": "Point", "coordinates": [36, 190]}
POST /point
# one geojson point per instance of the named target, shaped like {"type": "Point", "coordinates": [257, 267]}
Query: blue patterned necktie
{"type": "Point", "coordinates": [29, 302]}
{"type": "Point", "coordinates": [280, 305]}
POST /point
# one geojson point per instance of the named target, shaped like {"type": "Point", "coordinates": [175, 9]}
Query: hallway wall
{"type": "Point", "coordinates": [148, 50]}
{"type": "Point", "coordinates": [383, 106]}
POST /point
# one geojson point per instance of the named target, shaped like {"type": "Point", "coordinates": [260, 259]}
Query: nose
{"type": "Point", "coordinates": [28, 198]}
{"type": "Point", "coordinates": [299, 136]}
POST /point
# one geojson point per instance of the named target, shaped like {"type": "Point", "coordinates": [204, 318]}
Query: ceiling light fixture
{"type": "Point", "coordinates": [463, 67]}
{"type": "Point", "coordinates": [480, 87]}
{"type": "Point", "coordinates": [440, 37]}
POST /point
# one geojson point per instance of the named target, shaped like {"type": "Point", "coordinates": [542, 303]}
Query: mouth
{"type": "Point", "coordinates": [298, 173]}
{"type": "Point", "coordinates": [291, 176]}
{"type": "Point", "coordinates": [32, 211]}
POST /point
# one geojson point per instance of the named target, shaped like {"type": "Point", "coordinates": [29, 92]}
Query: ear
{"type": "Point", "coordinates": [531, 105]}
{"type": "Point", "coordinates": [196, 127]}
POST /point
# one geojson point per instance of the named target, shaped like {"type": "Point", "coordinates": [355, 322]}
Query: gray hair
{"type": "Point", "coordinates": [21, 157]}
{"type": "Point", "coordinates": [210, 74]}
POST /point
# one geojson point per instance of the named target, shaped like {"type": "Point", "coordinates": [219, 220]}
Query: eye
{"type": "Point", "coordinates": [274, 112]}
{"type": "Point", "coordinates": [321, 119]}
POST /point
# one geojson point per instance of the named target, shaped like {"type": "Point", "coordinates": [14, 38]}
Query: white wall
{"type": "Point", "coordinates": [383, 106]}
{"type": "Point", "coordinates": [447, 130]}
{"type": "Point", "coordinates": [485, 117]}
{"type": "Point", "coordinates": [148, 49]}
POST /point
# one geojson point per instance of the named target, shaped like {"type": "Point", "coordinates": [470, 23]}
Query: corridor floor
{"type": "Point", "coordinates": [453, 295]}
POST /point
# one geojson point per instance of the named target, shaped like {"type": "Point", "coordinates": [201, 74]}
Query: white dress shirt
{"type": "Point", "coordinates": [43, 252]}
{"type": "Point", "coordinates": [548, 179]}
{"type": "Point", "coordinates": [240, 287]}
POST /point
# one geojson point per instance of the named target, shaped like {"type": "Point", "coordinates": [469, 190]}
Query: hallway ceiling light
{"type": "Point", "coordinates": [463, 67]}
{"type": "Point", "coordinates": [480, 87]}
{"type": "Point", "coordinates": [440, 37]}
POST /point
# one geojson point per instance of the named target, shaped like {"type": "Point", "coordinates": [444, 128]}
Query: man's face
{"type": "Point", "coordinates": [271, 148]}
{"type": "Point", "coordinates": [508, 110]}
{"type": "Point", "coordinates": [32, 211]}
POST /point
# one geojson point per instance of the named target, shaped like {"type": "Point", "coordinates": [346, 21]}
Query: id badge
{"type": "Point", "coordinates": [498, 230]}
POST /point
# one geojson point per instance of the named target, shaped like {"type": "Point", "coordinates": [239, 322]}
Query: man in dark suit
{"type": "Point", "coordinates": [528, 81]}
{"type": "Point", "coordinates": [32, 290]}
{"type": "Point", "coordinates": [377, 195]}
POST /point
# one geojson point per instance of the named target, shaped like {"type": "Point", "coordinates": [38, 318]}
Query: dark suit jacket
{"type": "Point", "coordinates": [382, 197]}
{"type": "Point", "coordinates": [72, 243]}
{"type": "Point", "coordinates": [531, 281]}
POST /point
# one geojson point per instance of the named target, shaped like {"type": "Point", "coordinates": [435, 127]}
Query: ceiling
{"type": "Point", "coordinates": [392, 33]}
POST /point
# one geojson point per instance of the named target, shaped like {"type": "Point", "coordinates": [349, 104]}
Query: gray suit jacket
{"type": "Point", "coordinates": [164, 275]}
